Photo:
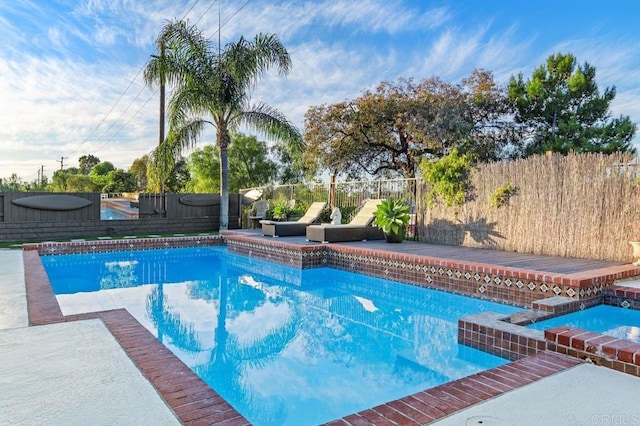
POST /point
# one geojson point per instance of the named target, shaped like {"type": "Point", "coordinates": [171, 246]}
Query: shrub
{"type": "Point", "coordinates": [501, 195]}
{"type": "Point", "coordinates": [448, 178]}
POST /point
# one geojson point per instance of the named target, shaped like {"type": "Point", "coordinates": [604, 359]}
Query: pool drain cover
{"type": "Point", "coordinates": [486, 421]}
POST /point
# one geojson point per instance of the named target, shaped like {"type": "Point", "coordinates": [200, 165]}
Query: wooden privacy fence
{"type": "Point", "coordinates": [35, 216]}
{"type": "Point", "coordinates": [48, 206]}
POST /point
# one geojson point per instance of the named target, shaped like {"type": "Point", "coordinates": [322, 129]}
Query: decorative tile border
{"type": "Point", "coordinates": [622, 296]}
{"type": "Point", "coordinates": [495, 283]}
{"type": "Point", "coordinates": [74, 247]}
{"type": "Point", "coordinates": [300, 256]}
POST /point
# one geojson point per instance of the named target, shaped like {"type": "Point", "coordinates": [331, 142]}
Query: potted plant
{"type": "Point", "coordinates": [392, 216]}
{"type": "Point", "coordinates": [281, 210]}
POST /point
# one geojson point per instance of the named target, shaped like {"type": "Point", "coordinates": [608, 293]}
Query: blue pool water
{"type": "Point", "coordinates": [284, 346]}
{"type": "Point", "coordinates": [616, 322]}
{"type": "Point", "coordinates": [107, 213]}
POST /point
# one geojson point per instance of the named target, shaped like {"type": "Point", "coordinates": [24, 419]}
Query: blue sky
{"type": "Point", "coordinates": [69, 69]}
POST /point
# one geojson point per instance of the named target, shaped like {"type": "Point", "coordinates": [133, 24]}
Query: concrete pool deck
{"type": "Point", "coordinates": [69, 373]}
{"type": "Point", "coordinates": [580, 394]}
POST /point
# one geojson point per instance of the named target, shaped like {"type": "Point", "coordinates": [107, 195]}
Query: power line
{"type": "Point", "coordinates": [86, 139]}
{"type": "Point", "coordinates": [144, 87]}
{"type": "Point", "coordinates": [125, 124]}
{"type": "Point", "coordinates": [205, 12]}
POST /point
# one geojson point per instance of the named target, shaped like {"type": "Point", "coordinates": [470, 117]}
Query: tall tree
{"type": "Point", "coordinates": [120, 181]}
{"type": "Point", "coordinates": [82, 183]}
{"type": "Point", "coordinates": [560, 109]}
{"type": "Point", "coordinates": [12, 183]}
{"type": "Point", "coordinates": [213, 87]}
{"type": "Point", "coordinates": [86, 163]}
{"type": "Point", "coordinates": [389, 131]}
{"type": "Point", "coordinates": [59, 181]}
{"type": "Point", "coordinates": [101, 169]}
{"type": "Point", "coordinates": [249, 165]}
{"type": "Point", "coordinates": [139, 170]}
{"type": "Point", "coordinates": [204, 170]}
{"type": "Point", "coordinates": [178, 177]}
{"type": "Point", "coordinates": [157, 71]}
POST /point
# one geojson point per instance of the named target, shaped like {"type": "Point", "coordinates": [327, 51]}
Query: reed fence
{"type": "Point", "coordinates": [579, 205]}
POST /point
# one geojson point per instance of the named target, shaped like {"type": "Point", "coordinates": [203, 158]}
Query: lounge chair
{"type": "Point", "coordinates": [359, 229]}
{"type": "Point", "coordinates": [286, 229]}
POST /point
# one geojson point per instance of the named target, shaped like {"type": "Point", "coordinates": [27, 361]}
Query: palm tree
{"type": "Point", "coordinates": [213, 87]}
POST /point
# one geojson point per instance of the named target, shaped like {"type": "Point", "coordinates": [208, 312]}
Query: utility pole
{"type": "Point", "coordinates": [61, 161]}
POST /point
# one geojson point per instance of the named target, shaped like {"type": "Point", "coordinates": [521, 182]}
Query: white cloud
{"type": "Point", "coordinates": [51, 108]}
{"type": "Point", "coordinates": [312, 19]}
{"type": "Point", "coordinates": [375, 16]}
{"type": "Point", "coordinates": [63, 75]}
{"type": "Point", "coordinates": [626, 103]}
{"type": "Point", "coordinates": [615, 59]}
{"type": "Point", "coordinates": [106, 35]}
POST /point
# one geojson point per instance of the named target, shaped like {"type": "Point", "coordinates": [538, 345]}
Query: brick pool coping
{"type": "Point", "coordinates": [194, 402]}
{"type": "Point", "coordinates": [618, 354]}
{"type": "Point", "coordinates": [517, 286]}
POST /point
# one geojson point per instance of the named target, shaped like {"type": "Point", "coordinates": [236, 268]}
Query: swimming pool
{"type": "Point", "coordinates": [107, 213]}
{"type": "Point", "coordinates": [282, 345]}
{"type": "Point", "coordinates": [604, 319]}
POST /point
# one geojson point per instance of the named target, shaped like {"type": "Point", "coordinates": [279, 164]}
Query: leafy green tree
{"type": "Point", "coordinates": [86, 163]}
{"type": "Point", "coordinates": [204, 170]}
{"type": "Point", "coordinates": [179, 177]}
{"type": "Point", "coordinates": [448, 178]}
{"type": "Point", "coordinates": [120, 181]}
{"type": "Point", "coordinates": [102, 169]}
{"type": "Point", "coordinates": [560, 109]}
{"type": "Point", "coordinates": [81, 183]}
{"type": "Point", "coordinates": [290, 163]}
{"type": "Point", "coordinates": [59, 181]}
{"type": "Point", "coordinates": [166, 174]}
{"type": "Point", "coordinates": [213, 88]}
{"type": "Point", "coordinates": [13, 183]}
{"type": "Point", "coordinates": [248, 165]}
{"type": "Point", "coordinates": [139, 170]}
{"type": "Point", "coordinates": [389, 131]}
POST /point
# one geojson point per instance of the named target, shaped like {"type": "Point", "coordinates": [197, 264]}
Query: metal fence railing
{"type": "Point", "coordinates": [347, 196]}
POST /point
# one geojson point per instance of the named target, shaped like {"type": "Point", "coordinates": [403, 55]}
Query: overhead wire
{"type": "Point", "coordinates": [79, 148]}
{"type": "Point", "coordinates": [156, 91]}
